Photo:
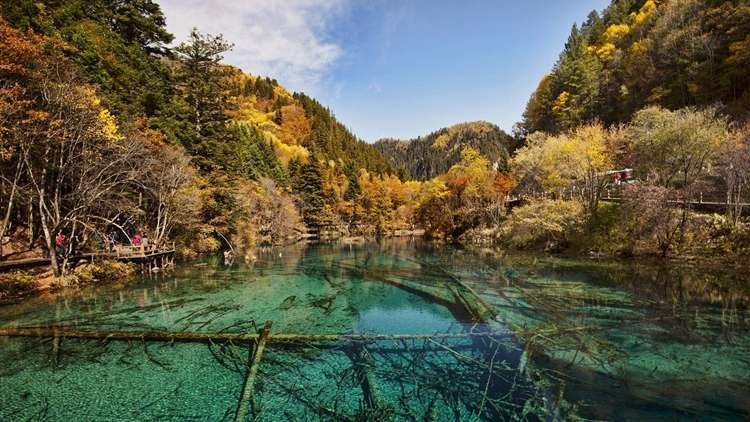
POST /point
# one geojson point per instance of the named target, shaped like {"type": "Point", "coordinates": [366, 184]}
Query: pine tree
{"type": "Point", "coordinates": [293, 168]}
{"type": "Point", "coordinates": [310, 187]}
{"type": "Point", "coordinates": [201, 83]}
{"type": "Point", "coordinates": [354, 188]}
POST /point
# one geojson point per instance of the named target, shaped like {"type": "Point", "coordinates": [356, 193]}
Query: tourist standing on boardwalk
{"type": "Point", "coordinates": [60, 242]}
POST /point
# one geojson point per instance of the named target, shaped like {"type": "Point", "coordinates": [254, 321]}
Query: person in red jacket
{"type": "Point", "coordinates": [60, 241]}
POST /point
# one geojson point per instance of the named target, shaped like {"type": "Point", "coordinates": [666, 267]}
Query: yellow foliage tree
{"type": "Point", "coordinates": [644, 13]}
{"type": "Point", "coordinates": [616, 32]}
{"type": "Point", "coordinates": [574, 161]}
{"type": "Point", "coordinates": [386, 203]}
{"type": "Point", "coordinates": [471, 177]}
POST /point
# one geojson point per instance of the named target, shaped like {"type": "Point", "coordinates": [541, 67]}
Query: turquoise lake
{"type": "Point", "coordinates": [487, 337]}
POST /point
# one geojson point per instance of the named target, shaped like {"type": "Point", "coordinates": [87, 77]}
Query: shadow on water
{"type": "Point", "coordinates": [493, 337]}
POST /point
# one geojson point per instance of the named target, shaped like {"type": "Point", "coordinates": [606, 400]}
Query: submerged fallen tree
{"type": "Point", "coordinates": [54, 332]}
{"type": "Point", "coordinates": [247, 401]}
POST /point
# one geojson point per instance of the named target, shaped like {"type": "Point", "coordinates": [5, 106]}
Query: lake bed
{"type": "Point", "coordinates": [492, 337]}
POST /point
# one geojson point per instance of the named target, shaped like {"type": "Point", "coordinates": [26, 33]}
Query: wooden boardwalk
{"type": "Point", "coordinates": [146, 256]}
{"type": "Point", "coordinates": [699, 203]}
{"type": "Point", "coordinates": [695, 203]}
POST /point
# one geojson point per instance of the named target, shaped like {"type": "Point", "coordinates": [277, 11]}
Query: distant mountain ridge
{"type": "Point", "coordinates": [425, 157]}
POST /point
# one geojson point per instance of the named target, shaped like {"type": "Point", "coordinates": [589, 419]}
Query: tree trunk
{"type": "Point", "coordinates": [685, 207]}
{"type": "Point", "coordinates": [69, 249]}
{"type": "Point", "coordinates": [49, 240]}
{"type": "Point", "coordinates": [51, 332]}
{"type": "Point", "coordinates": [32, 228]}
{"type": "Point", "coordinates": [738, 202]}
{"type": "Point", "coordinates": [9, 208]}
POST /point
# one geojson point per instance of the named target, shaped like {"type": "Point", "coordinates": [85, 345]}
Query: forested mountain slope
{"type": "Point", "coordinates": [426, 157]}
{"type": "Point", "coordinates": [670, 53]}
{"type": "Point", "coordinates": [203, 152]}
{"type": "Point", "coordinates": [297, 125]}
{"type": "Point", "coordinates": [120, 47]}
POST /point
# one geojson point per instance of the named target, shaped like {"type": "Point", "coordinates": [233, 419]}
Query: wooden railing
{"type": "Point", "coordinates": [700, 200]}
{"type": "Point", "coordinates": [143, 250]}
{"type": "Point", "coordinates": [118, 252]}
{"type": "Point", "coordinates": [608, 195]}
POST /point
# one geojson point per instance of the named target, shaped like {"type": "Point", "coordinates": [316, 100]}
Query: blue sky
{"type": "Point", "coordinates": [395, 68]}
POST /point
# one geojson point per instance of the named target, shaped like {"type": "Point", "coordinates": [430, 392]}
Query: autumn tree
{"type": "Point", "coordinates": [647, 216]}
{"type": "Point", "coordinates": [502, 186]}
{"type": "Point", "coordinates": [547, 223]}
{"type": "Point", "coordinates": [79, 168]}
{"type": "Point", "coordinates": [268, 215]}
{"type": "Point", "coordinates": [575, 162]}
{"type": "Point", "coordinates": [675, 147]}
{"type": "Point", "coordinates": [76, 161]}
{"type": "Point", "coordinates": [669, 53]}
{"type": "Point", "coordinates": [733, 159]}
{"type": "Point", "coordinates": [462, 199]}
{"type": "Point", "coordinates": [20, 56]}
{"type": "Point", "coordinates": [59, 137]}
{"type": "Point", "coordinates": [118, 45]}
{"type": "Point", "coordinates": [168, 181]}
{"type": "Point", "coordinates": [375, 202]}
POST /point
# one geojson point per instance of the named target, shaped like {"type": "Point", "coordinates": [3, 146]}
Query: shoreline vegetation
{"type": "Point", "coordinates": [109, 137]}
{"type": "Point", "coordinates": [17, 286]}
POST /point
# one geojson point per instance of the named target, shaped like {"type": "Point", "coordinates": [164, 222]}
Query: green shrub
{"type": "Point", "coordinates": [550, 224]}
{"type": "Point", "coordinates": [103, 272]}
{"type": "Point", "coordinates": [715, 235]}
{"type": "Point", "coordinates": [16, 283]}
{"type": "Point", "coordinates": [604, 232]}
{"type": "Point", "coordinates": [69, 280]}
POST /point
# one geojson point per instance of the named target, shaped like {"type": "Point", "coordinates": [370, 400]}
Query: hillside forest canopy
{"type": "Point", "coordinates": [108, 130]}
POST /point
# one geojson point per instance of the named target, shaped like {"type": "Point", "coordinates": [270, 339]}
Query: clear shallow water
{"type": "Point", "coordinates": [572, 338]}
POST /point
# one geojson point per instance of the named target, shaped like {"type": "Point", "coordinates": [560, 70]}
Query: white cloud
{"type": "Point", "coordinates": [283, 39]}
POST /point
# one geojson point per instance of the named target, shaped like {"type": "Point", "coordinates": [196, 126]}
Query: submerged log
{"type": "Point", "coordinates": [51, 332]}
{"type": "Point", "coordinates": [477, 309]}
{"type": "Point", "coordinates": [471, 301]}
{"type": "Point", "coordinates": [248, 392]}
{"type": "Point", "coordinates": [409, 287]}
{"type": "Point", "coordinates": [474, 303]}
{"type": "Point", "coordinates": [363, 363]}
